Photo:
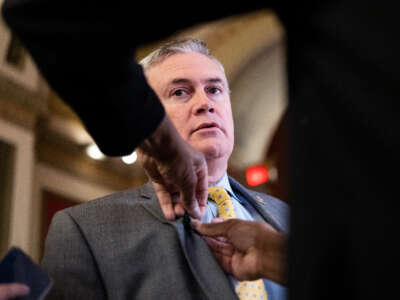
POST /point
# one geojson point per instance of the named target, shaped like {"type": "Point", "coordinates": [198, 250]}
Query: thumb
{"type": "Point", "coordinates": [217, 220]}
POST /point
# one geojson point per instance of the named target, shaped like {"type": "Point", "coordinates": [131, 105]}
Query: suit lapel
{"type": "Point", "coordinates": [210, 277]}
{"type": "Point", "coordinates": [205, 269]}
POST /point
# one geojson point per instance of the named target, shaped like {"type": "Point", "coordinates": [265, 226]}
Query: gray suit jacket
{"type": "Point", "coordinates": [122, 247]}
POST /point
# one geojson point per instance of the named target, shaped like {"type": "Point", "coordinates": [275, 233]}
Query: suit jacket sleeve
{"type": "Point", "coordinates": [70, 263]}
{"type": "Point", "coordinates": [85, 51]}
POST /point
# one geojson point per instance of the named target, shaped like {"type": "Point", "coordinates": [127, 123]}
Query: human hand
{"type": "Point", "coordinates": [178, 172]}
{"type": "Point", "coordinates": [246, 249]}
{"type": "Point", "coordinates": [13, 290]}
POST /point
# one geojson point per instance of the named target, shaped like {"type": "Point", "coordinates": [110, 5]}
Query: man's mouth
{"type": "Point", "coordinates": [206, 126]}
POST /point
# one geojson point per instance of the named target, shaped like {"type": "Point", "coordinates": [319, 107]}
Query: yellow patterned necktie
{"type": "Point", "coordinates": [244, 289]}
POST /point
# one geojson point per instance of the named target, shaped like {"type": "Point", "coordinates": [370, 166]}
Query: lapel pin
{"type": "Point", "coordinates": [259, 199]}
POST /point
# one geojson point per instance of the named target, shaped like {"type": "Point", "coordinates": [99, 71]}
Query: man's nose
{"type": "Point", "coordinates": [203, 104]}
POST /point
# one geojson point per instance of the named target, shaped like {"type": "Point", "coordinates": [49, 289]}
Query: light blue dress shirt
{"type": "Point", "coordinates": [275, 291]}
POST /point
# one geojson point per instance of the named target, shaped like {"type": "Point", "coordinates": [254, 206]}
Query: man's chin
{"type": "Point", "coordinates": [211, 151]}
{"type": "Point", "coordinates": [212, 148]}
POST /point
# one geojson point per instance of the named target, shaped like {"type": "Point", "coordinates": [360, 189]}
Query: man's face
{"type": "Point", "coordinates": [195, 93]}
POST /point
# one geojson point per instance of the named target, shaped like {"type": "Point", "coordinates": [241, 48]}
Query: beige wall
{"type": "Point", "coordinates": [21, 204]}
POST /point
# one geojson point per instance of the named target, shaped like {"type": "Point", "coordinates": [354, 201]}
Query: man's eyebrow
{"type": "Point", "coordinates": [215, 80]}
{"type": "Point", "coordinates": [179, 80]}
{"type": "Point", "coordinates": [208, 80]}
{"type": "Point", "coordinates": [220, 81]}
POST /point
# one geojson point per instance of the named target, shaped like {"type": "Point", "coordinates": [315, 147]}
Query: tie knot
{"type": "Point", "coordinates": [226, 209]}
{"type": "Point", "coordinates": [218, 194]}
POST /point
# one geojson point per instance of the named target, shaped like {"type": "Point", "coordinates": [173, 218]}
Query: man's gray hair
{"type": "Point", "coordinates": [185, 45]}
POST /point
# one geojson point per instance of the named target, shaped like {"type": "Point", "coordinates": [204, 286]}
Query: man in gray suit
{"type": "Point", "coordinates": [125, 246]}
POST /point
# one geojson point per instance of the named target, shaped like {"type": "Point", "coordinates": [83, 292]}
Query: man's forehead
{"type": "Point", "coordinates": [189, 62]}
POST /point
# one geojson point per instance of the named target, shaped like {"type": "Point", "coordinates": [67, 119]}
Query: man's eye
{"type": "Point", "coordinates": [214, 90]}
{"type": "Point", "coordinates": [179, 93]}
